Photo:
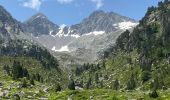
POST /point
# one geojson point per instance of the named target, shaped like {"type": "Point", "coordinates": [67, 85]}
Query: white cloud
{"type": "Point", "coordinates": [99, 3]}
{"type": "Point", "coordinates": [34, 4]}
{"type": "Point", "coordinates": [64, 1]}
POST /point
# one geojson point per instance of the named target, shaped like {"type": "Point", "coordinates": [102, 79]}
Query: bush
{"type": "Point", "coordinates": [24, 83]}
{"type": "Point", "coordinates": [16, 97]}
{"type": "Point", "coordinates": [154, 94]}
{"type": "Point", "coordinates": [57, 88]}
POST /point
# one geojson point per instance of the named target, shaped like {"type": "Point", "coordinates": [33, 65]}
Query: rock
{"type": "Point", "coordinates": [91, 97]}
{"type": "Point", "coordinates": [46, 89]}
{"type": "Point", "coordinates": [164, 88]}
{"type": "Point", "coordinates": [1, 84]}
{"type": "Point", "coordinates": [1, 94]}
{"type": "Point", "coordinates": [9, 88]}
{"type": "Point", "coordinates": [31, 86]}
{"type": "Point", "coordinates": [5, 93]}
{"type": "Point", "coordinates": [78, 88]}
{"type": "Point", "coordinates": [69, 98]}
{"type": "Point", "coordinates": [19, 86]}
{"type": "Point", "coordinates": [36, 92]}
{"type": "Point", "coordinates": [43, 98]}
{"type": "Point", "coordinates": [30, 97]}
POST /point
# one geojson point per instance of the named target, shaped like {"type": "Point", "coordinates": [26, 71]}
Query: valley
{"type": "Point", "coordinates": [106, 56]}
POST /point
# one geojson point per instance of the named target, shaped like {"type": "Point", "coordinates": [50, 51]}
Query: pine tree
{"type": "Point", "coordinates": [104, 64]}
{"type": "Point", "coordinates": [156, 83]}
{"type": "Point", "coordinates": [77, 71]}
{"type": "Point", "coordinates": [25, 72]}
{"type": "Point", "coordinates": [101, 84]}
{"type": "Point", "coordinates": [145, 76]}
{"type": "Point", "coordinates": [37, 77]}
{"type": "Point", "coordinates": [71, 85]}
{"type": "Point", "coordinates": [17, 70]}
{"type": "Point", "coordinates": [7, 69]}
{"type": "Point", "coordinates": [89, 83]}
{"type": "Point", "coordinates": [131, 84]}
{"type": "Point", "coordinates": [116, 84]}
{"type": "Point", "coordinates": [96, 78]}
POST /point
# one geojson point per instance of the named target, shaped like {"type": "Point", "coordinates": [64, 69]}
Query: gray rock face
{"type": "Point", "coordinates": [100, 21]}
{"type": "Point", "coordinates": [9, 27]}
{"type": "Point", "coordinates": [97, 21]}
{"type": "Point", "coordinates": [40, 25]}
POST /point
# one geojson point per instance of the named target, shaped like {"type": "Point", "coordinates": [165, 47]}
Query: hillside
{"type": "Point", "coordinates": [140, 59]}
{"type": "Point", "coordinates": [27, 70]}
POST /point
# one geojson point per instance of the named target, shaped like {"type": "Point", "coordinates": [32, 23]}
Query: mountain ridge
{"type": "Point", "coordinates": [73, 29]}
{"type": "Point", "coordinates": [96, 29]}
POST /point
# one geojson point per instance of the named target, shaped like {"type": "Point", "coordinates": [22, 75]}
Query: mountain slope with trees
{"type": "Point", "coordinates": [26, 68]}
{"type": "Point", "coordinates": [140, 59]}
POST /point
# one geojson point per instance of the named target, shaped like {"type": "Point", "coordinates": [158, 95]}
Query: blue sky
{"type": "Point", "coordinates": [73, 11]}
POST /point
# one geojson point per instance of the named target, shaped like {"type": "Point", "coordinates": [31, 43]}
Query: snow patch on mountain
{"type": "Point", "coordinates": [125, 25]}
{"type": "Point", "coordinates": [96, 33]}
{"type": "Point", "coordinates": [62, 49]}
{"type": "Point", "coordinates": [62, 26]}
{"type": "Point", "coordinates": [75, 35]}
{"type": "Point", "coordinates": [60, 33]}
{"type": "Point", "coordinates": [51, 33]}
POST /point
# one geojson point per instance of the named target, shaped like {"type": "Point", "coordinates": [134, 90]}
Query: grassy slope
{"type": "Point", "coordinates": [107, 94]}
{"type": "Point", "coordinates": [33, 66]}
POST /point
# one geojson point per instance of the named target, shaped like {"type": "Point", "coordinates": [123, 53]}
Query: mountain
{"type": "Point", "coordinates": [24, 62]}
{"type": "Point", "coordinates": [140, 60]}
{"type": "Point", "coordinates": [99, 21]}
{"type": "Point", "coordinates": [9, 27]}
{"type": "Point", "coordinates": [40, 25]}
{"type": "Point", "coordinates": [102, 21]}
{"type": "Point", "coordinates": [93, 35]}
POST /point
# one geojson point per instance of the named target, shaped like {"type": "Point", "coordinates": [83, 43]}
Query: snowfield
{"type": "Point", "coordinates": [95, 33]}
{"type": "Point", "coordinates": [125, 25]}
{"type": "Point", "coordinates": [62, 49]}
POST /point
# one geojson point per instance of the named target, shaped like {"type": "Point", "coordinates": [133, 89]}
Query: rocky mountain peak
{"type": "Point", "coordinates": [39, 24]}
{"type": "Point", "coordinates": [38, 16]}
{"type": "Point", "coordinates": [97, 12]}
{"type": "Point", "coordinates": [103, 21]}
{"type": "Point", "coordinates": [5, 16]}
{"type": "Point", "coordinates": [9, 27]}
